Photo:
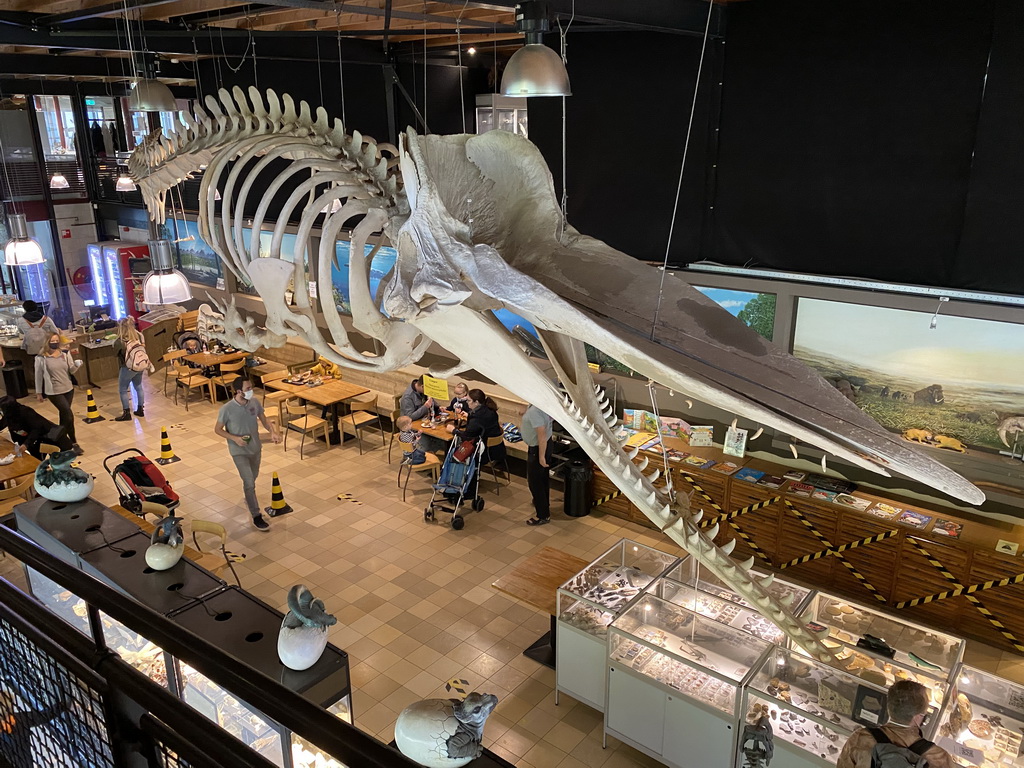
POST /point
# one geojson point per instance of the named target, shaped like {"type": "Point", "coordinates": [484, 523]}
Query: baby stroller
{"type": "Point", "coordinates": [454, 484]}
{"type": "Point", "coordinates": [138, 479]}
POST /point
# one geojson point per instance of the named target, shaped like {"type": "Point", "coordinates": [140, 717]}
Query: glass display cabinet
{"type": "Point", "coordinates": [813, 707]}
{"type": "Point", "coordinates": [505, 113]}
{"type": "Point", "coordinates": [673, 673]}
{"type": "Point", "coordinates": [982, 722]}
{"type": "Point", "coordinates": [588, 603]}
{"type": "Point", "coordinates": [699, 590]}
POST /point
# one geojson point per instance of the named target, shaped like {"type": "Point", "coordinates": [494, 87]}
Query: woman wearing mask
{"type": "Point", "coordinates": [126, 347]}
{"type": "Point", "coordinates": [54, 369]}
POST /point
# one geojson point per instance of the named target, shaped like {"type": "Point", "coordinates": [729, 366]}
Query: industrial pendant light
{"type": "Point", "coordinates": [125, 183]}
{"type": "Point", "coordinates": [21, 250]}
{"type": "Point", "coordinates": [164, 284]}
{"type": "Point", "coordinates": [150, 95]}
{"type": "Point", "coordinates": [57, 181]}
{"type": "Point", "coordinates": [535, 69]}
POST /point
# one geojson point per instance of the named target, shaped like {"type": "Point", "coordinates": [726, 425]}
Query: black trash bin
{"type": "Point", "coordinates": [14, 379]}
{"type": "Point", "coordinates": [577, 489]}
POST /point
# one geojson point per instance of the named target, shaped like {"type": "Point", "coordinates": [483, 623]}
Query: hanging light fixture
{"type": "Point", "coordinates": [57, 181]}
{"type": "Point", "coordinates": [125, 183]}
{"type": "Point", "coordinates": [150, 95]}
{"type": "Point", "coordinates": [164, 284]}
{"type": "Point", "coordinates": [535, 69]}
{"type": "Point", "coordinates": [21, 250]}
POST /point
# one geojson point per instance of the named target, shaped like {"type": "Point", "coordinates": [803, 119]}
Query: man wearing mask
{"type": "Point", "coordinates": [237, 423]}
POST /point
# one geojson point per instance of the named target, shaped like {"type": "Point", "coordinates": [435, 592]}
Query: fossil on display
{"type": "Point", "coordinates": [477, 227]}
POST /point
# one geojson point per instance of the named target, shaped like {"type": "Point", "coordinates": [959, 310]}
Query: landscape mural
{"type": "Point", "coordinates": [756, 310]}
{"type": "Point", "coordinates": [196, 259]}
{"type": "Point", "coordinates": [960, 379]}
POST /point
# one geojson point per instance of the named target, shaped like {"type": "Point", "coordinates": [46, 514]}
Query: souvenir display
{"type": "Point", "coordinates": [588, 603]}
{"type": "Point", "coordinates": [883, 650]}
{"type": "Point", "coordinates": [983, 724]}
{"type": "Point", "coordinates": [812, 707]}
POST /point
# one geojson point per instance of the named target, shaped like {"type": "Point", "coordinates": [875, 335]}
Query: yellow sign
{"type": "Point", "coordinates": [436, 388]}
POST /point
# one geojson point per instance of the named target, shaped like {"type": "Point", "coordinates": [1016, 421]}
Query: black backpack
{"type": "Point", "coordinates": [888, 755]}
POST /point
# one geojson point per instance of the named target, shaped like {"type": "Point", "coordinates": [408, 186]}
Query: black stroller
{"type": "Point", "coordinates": [454, 485]}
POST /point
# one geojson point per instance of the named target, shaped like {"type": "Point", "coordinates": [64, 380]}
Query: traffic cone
{"type": "Point", "coordinates": [166, 452]}
{"type": "Point", "coordinates": [278, 506]}
{"type": "Point", "coordinates": [92, 413]}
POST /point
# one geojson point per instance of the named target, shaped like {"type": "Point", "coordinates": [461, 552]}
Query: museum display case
{"type": "Point", "coordinates": [673, 673]}
{"type": "Point", "coordinates": [588, 603]}
{"type": "Point", "coordinates": [982, 723]}
{"type": "Point", "coordinates": [693, 587]}
{"type": "Point", "coordinates": [813, 708]}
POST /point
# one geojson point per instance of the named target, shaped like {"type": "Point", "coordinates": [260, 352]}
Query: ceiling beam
{"type": "Point", "coordinates": [261, 14]}
{"type": "Point", "coordinates": [68, 66]}
{"type": "Point", "coordinates": [673, 16]}
{"type": "Point", "coordinates": [110, 9]}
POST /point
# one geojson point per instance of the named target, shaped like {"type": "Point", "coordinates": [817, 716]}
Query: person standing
{"type": "Point", "coordinates": [36, 327]}
{"type": "Point", "coordinates": [133, 361]}
{"type": "Point", "coordinates": [54, 369]}
{"type": "Point", "coordinates": [907, 704]}
{"type": "Point", "coordinates": [237, 423]}
{"type": "Point", "coordinates": [536, 431]}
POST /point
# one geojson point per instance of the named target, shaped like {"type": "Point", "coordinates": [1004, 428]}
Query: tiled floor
{"type": "Point", "coordinates": [414, 601]}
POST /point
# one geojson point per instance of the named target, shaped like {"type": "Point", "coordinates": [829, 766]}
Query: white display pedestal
{"type": "Point", "coordinates": [581, 665]}
{"type": "Point", "coordinates": [658, 721]}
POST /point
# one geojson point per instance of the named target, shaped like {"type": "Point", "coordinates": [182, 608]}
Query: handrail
{"type": "Point", "coordinates": [313, 723]}
{"type": "Point", "coordinates": [105, 671]}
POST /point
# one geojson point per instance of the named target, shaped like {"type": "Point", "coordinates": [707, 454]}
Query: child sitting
{"type": "Point", "coordinates": [410, 436]}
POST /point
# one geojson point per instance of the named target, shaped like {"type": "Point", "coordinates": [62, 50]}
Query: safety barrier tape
{"type": "Point", "coordinates": [840, 549]}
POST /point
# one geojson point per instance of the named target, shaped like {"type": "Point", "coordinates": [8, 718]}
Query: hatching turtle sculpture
{"type": "Point", "coordinates": [57, 480]}
{"type": "Point", "coordinates": [303, 635]}
{"type": "Point", "coordinates": [166, 544]}
{"type": "Point", "coordinates": [444, 733]}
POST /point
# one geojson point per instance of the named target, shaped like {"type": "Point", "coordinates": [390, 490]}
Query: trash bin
{"type": "Point", "coordinates": [577, 489]}
{"type": "Point", "coordinates": [14, 379]}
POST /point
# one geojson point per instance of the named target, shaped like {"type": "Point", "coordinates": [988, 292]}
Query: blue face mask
{"type": "Point", "coordinates": [247, 394]}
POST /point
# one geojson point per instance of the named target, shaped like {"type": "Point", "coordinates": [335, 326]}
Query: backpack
{"type": "Point", "coordinates": [36, 337]}
{"type": "Point", "coordinates": [135, 357]}
{"type": "Point", "coordinates": [888, 755]}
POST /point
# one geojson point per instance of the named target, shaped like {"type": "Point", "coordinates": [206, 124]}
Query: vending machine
{"type": "Point", "coordinates": [125, 266]}
{"type": "Point", "coordinates": [100, 289]}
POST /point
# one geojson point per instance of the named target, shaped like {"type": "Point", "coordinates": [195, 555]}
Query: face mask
{"type": "Point", "coordinates": [54, 346]}
{"type": "Point", "coordinates": [247, 394]}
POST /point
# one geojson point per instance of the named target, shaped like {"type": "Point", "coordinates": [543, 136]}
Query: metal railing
{"type": "Point", "coordinates": [334, 736]}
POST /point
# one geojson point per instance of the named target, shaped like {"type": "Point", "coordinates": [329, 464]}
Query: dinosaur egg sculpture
{"type": "Point", "coordinates": [444, 733]}
{"type": "Point", "coordinates": [57, 480]}
{"type": "Point", "coordinates": [167, 544]}
{"type": "Point", "coordinates": [303, 635]}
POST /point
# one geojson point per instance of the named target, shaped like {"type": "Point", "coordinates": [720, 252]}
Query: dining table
{"type": "Point", "coordinates": [21, 467]}
{"type": "Point", "coordinates": [211, 359]}
{"type": "Point", "coordinates": [330, 394]}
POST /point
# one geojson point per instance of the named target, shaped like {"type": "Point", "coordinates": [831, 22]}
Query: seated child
{"type": "Point", "coordinates": [408, 435]}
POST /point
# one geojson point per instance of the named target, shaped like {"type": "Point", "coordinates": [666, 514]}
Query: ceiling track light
{"type": "Point", "coordinates": [535, 69]}
{"type": "Point", "coordinates": [21, 250]}
{"type": "Point", "coordinates": [164, 284]}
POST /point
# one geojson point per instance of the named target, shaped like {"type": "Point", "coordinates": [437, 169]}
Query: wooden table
{"type": "Point", "coordinates": [210, 359]}
{"type": "Point", "coordinates": [440, 431]}
{"type": "Point", "coordinates": [22, 466]}
{"type": "Point", "coordinates": [99, 360]}
{"type": "Point", "coordinates": [327, 395]}
{"type": "Point", "coordinates": [535, 581]}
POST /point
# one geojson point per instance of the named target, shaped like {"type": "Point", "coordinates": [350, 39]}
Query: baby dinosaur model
{"type": "Point", "coordinates": [303, 635]}
{"type": "Point", "coordinates": [444, 733]}
{"type": "Point", "coordinates": [166, 543]}
{"type": "Point", "coordinates": [57, 479]}
{"type": "Point", "coordinates": [477, 227]}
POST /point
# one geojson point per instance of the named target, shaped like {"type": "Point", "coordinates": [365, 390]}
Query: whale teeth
{"type": "Point", "coordinates": [652, 498]}
{"type": "Point", "coordinates": [643, 463]}
{"type": "Point", "coordinates": [747, 564]}
{"type": "Point", "coordinates": [632, 452]}
{"type": "Point", "coordinates": [793, 450]}
{"type": "Point", "coordinates": [757, 434]}
{"type": "Point", "coordinates": [654, 475]}
{"type": "Point", "coordinates": [712, 532]}
{"type": "Point", "coordinates": [824, 464]}
{"type": "Point", "coordinates": [639, 484]}
{"type": "Point", "coordinates": [697, 516]}
{"type": "Point", "coordinates": [729, 546]}
{"type": "Point", "coordinates": [689, 403]}
{"type": "Point", "coordinates": [767, 580]}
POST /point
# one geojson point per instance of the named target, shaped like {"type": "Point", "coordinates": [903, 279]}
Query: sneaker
{"type": "Point", "coordinates": [260, 524]}
{"type": "Point", "coordinates": [77, 449]}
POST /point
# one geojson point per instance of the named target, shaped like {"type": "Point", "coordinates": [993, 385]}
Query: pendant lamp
{"type": "Point", "coordinates": [125, 183]}
{"type": "Point", "coordinates": [21, 250]}
{"type": "Point", "coordinates": [57, 181]}
{"type": "Point", "coordinates": [150, 95]}
{"type": "Point", "coordinates": [535, 69]}
{"type": "Point", "coordinates": [164, 284]}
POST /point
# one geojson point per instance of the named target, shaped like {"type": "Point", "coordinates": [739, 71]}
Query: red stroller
{"type": "Point", "coordinates": [138, 479]}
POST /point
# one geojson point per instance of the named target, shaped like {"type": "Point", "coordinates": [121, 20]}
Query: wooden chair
{"type": "Point", "coordinates": [224, 558]}
{"type": "Point", "coordinates": [393, 415]}
{"type": "Point", "coordinates": [361, 411]}
{"type": "Point", "coordinates": [170, 365]}
{"type": "Point", "coordinates": [494, 442]}
{"type": "Point", "coordinates": [228, 373]}
{"type": "Point", "coordinates": [15, 495]}
{"type": "Point", "coordinates": [187, 321]}
{"type": "Point", "coordinates": [190, 378]}
{"type": "Point", "coordinates": [432, 465]}
{"type": "Point", "coordinates": [45, 449]}
{"type": "Point", "coordinates": [275, 397]}
{"type": "Point", "coordinates": [298, 420]}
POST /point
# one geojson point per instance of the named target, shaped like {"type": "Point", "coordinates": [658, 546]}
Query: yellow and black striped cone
{"type": "Point", "coordinates": [278, 506]}
{"type": "Point", "coordinates": [92, 413]}
{"type": "Point", "coordinates": [166, 452]}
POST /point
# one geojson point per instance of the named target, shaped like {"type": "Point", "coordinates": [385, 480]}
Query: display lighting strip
{"type": "Point", "coordinates": [851, 282]}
